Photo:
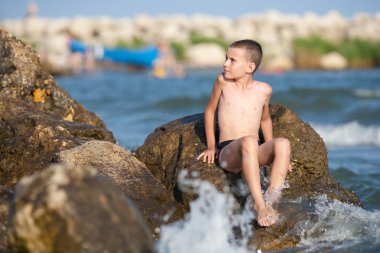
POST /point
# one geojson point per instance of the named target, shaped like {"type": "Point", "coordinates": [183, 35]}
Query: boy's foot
{"type": "Point", "coordinates": [272, 196]}
{"type": "Point", "coordinates": [266, 216]}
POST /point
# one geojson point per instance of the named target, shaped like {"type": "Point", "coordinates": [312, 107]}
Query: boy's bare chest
{"type": "Point", "coordinates": [243, 101]}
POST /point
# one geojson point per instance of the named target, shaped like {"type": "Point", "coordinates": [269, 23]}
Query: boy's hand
{"type": "Point", "coordinates": [209, 155]}
{"type": "Point", "coordinates": [290, 167]}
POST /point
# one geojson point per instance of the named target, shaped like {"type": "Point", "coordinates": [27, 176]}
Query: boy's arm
{"type": "Point", "coordinates": [266, 121]}
{"type": "Point", "coordinates": [209, 114]}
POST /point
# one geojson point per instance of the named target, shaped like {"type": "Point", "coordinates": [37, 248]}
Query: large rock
{"type": "Point", "coordinates": [22, 77]}
{"type": "Point", "coordinates": [30, 136]}
{"type": "Point", "coordinates": [175, 146]}
{"type": "Point", "coordinates": [73, 209]}
{"type": "Point", "coordinates": [153, 200]}
{"type": "Point", "coordinates": [38, 118]}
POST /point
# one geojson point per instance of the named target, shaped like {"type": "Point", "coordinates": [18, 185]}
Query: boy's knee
{"type": "Point", "coordinates": [249, 144]}
{"type": "Point", "coordinates": [283, 144]}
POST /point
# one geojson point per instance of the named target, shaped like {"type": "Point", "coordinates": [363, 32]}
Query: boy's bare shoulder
{"type": "Point", "coordinates": [264, 86]}
{"type": "Point", "coordinates": [221, 79]}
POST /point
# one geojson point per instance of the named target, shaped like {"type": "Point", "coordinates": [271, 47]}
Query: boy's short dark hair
{"type": "Point", "coordinates": [253, 49]}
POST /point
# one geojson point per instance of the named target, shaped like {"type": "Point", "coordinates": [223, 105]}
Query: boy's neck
{"type": "Point", "coordinates": [244, 81]}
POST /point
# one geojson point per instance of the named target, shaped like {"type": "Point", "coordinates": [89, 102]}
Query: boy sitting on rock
{"type": "Point", "coordinates": [243, 107]}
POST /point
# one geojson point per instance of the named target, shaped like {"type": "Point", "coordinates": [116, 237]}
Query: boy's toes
{"type": "Point", "coordinates": [267, 221]}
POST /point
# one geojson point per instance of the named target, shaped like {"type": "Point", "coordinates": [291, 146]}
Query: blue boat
{"type": "Point", "coordinates": [143, 57]}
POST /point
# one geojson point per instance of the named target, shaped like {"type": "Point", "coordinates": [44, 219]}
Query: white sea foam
{"type": "Point", "coordinates": [340, 226]}
{"type": "Point", "coordinates": [349, 134]}
{"type": "Point", "coordinates": [366, 93]}
{"type": "Point", "coordinates": [208, 227]}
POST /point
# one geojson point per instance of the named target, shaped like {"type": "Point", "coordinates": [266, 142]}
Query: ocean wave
{"type": "Point", "coordinates": [367, 93]}
{"type": "Point", "coordinates": [349, 134]}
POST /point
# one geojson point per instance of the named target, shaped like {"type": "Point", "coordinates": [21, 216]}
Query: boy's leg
{"type": "Point", "coordinates": [277, 153]}
{"type": "Point", "coordinates": [242, 154]}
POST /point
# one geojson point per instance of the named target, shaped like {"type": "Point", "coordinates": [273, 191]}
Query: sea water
{"type": "Point", "coordinates": [343, 107]}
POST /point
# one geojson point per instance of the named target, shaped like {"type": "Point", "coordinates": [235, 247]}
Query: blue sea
{"type": "Point", "coordinates": [343, 107]}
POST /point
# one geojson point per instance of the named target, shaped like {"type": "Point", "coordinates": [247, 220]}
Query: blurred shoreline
{"type": "Point", "coordinates": [200, 40]}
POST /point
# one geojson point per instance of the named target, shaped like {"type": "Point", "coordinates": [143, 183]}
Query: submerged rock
{"type": "Point", "coordinates": [154, 201]}
{"type": "Point", "coordinates": [74, 209]}
{"type": "Point", "coordinates": [175, 146]}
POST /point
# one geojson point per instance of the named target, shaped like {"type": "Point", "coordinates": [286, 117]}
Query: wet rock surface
{"type": "Point", "coordinates": [74, 209]}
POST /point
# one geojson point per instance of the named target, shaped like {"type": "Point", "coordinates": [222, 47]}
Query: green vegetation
{"type": "Point", "coordinates": [314, 45]}
{"type": "Point", "coordinates": [196, 38]}
{"type": "Point", "coordinates": [359, 53]}
{"type": "Point", "coordinates": [134, 43]}
{"type": "Point", "coordinates": [179, 50]}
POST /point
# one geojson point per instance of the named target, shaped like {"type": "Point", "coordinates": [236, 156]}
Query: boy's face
{"type": "Point", "coordinates": [237, 64]}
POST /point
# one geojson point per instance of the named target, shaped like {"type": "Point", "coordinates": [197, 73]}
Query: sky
{"type": "Point", "coordinates": [230, 8]}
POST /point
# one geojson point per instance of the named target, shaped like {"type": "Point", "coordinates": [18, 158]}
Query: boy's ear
{"type": "Point", "coordinates": [251, 67]}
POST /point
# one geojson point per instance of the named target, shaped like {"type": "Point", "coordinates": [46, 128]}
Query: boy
{"type": "Point", "coordinates": [243, 107]}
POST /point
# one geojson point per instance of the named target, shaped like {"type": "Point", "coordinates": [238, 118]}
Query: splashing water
{"type": "Point", "coordinates": [272, 196]}
{"type": "Point", "coordinates": [209, 226]}
{"type": "Point", "coordinates": [341, 226]}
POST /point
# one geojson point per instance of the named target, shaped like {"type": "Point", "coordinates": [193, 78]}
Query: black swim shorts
{"type": "Point", "coordinates": [222, 144]}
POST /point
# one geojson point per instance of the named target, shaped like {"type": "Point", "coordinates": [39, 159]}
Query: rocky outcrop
{"type": "Point", "coordinates": [30, 136]}
{"type": "Point", "coordinates": [154, 201]}
{"type": "Point", "coordinates": [74, 209]}
{"type": "Point", "coordinates": [22, 77]}
{"type": "Point", "coordinates": [38, 118]}
{"type": "Point", "coordinates": [175, 146]}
